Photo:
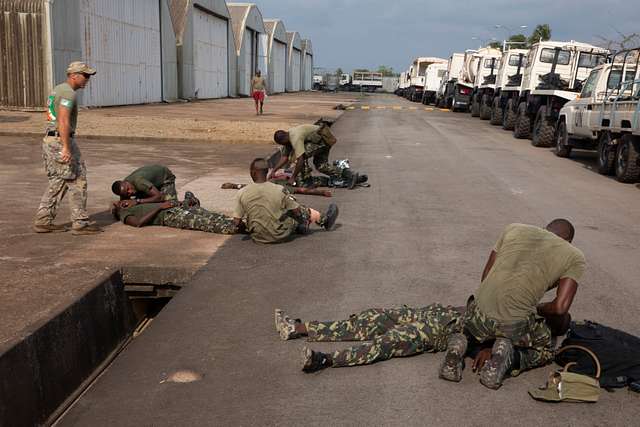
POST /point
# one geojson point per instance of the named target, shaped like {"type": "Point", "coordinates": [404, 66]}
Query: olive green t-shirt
{"type": "Point", "coordinates": [140, 211]}
{"type": "Point", "coordinates": [297, 136]}
{"type": "Point", "coordinates": [263, 206]}
{"type": "Point", "coordinates": [258, 83]}
{"type": "Point", "coordinates": [150, 176]}
{"type": "Point", "coordinates": [62, 96]}
{"type": "Point", "coordinates": [529, 261]}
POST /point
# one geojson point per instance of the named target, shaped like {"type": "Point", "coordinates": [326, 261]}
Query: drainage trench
{"type": "Point", "coordinates": [45, 372]}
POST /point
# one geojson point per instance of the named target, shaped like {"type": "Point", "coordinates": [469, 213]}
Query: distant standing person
{"type": "Point", "coordinates": [258, 91]}
{"type": "Point", "coordinates": [63, 162]}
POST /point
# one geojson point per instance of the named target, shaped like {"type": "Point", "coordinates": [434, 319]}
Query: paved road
{"type": "Point", "coordinates": [443, 186]}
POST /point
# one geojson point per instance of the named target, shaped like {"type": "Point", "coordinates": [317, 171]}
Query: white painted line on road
{"type": "Point", "coordinates": [413, 108]}
{"type": "Point", "coordinates": [428, 109]}
{"type": "Point", "coordinates": [351, 108]}
{"type": "Point", "coordinates": [365, 107]}
{"type": "Point", "coordinates": [516, 191]}
{"type": "Point", "coordinates": [446, 110]}
{"type": "Point", "coordinates": [380, 107]}
{"type": "Point", "coordinates": [395, 107]}
{"type": "Point", "coordinates": [388, 157]}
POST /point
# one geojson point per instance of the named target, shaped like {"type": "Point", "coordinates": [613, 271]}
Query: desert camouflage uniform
{"type": "Point", "coordinates": [197, 218]}
{"type": "Point", "coordinates": [531, 337]}
{"type": "Point", "coordinates": [63, 177]}
{"type": "Point", "coordinates": [168, 190]}
{"type": "Point", "coordinates": [393, 332]}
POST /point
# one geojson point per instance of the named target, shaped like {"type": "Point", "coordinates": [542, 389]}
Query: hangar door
{"type": "Point", "coordinates": [121, 38]}
{"type": "Point", "coordinates": [279, 66]}
{"type": "Point", "coordinates": [211, 56]}
{"type": "Point", "coordinates": [249, 60]}
{"type": "Point", "coordinates": [308, 72]}
{"type": "Point", "coordinates": [295, 70]}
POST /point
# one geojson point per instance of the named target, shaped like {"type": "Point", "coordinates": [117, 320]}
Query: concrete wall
{"type": "Point", "coordinates": [294, 61]}
{"type": "Point", "coordinates": [277, 36]}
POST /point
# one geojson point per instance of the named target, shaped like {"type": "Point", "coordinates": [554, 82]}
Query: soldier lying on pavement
{"type": "Point", "coordinates": [271, 213]}
{"type": "Point", "coordinates": [310, 141]}
{"type": "Point", "coordinates": [525, 263]}
{"type": "Point", "coordinates": [148, 184]}
{"type": "Point", "coordinates": [186, 216]}
{"type": "Point", "coordinates": [398, 332]}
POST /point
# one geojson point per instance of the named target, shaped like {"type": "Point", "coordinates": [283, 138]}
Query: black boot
{"type": "Point", "coordinates": [328, 219]}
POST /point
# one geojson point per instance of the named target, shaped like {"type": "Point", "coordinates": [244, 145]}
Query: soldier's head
{"type": "Point", "coordinates": [259, 170]}
{"type": "Point", "coordinates": [562, 228]}
{"type": "Point", "coordinates": [123, 189]}
{"type": "Point", "coordinates": [281, 137]}
{"type": "Point", "coordinates": [258, 73]}
{"type": "Point", "coordinates": [78, 74]}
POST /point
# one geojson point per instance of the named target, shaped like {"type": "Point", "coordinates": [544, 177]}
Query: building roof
{"type": "Point", "coordinates": [243, 16]}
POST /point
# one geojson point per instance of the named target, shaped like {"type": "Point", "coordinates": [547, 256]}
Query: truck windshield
{"type": "Point", "coordinates": [590, 60]}
{"type": "Point", "coordinates": [547, 56]}
{"type": "Point", "coordinates": [488, 61]}
{"type": "Point", "coordinates": [615, 77]}
{"type": "Point", "coordinates": [590, 84]}
{"type": "Point", "coordinates": [513, 60]}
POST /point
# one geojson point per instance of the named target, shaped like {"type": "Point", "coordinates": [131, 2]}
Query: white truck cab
{"type": "Point", "coordinates": [552, 77]}
{"type": "Point", "coordinates": [417, 76]}
{"type": "Point", "coordinates": [507, 90]}
{"type": "Point", "coordinates": [454, 92]}
{"type": "Point", "coordinates": [486, 62]}
{"type": "Point", "coordinates": [433, 76]}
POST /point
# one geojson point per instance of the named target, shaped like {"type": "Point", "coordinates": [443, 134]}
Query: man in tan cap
{"type": "Point", "coordinates": [62, 159]}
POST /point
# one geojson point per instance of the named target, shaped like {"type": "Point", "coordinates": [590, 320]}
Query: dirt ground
{"type": "Point", "coordinates": [223, 120]}
{"type": "Point", "coordinates": [43, 273]}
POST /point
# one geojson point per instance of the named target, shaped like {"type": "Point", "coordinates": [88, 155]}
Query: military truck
{"type": "Point", "coordinates": [432, 80]}
{"type": "Point", "coordinates": [508, 81]}
{"type": "Point", "coordinates": [605, 117]}
{"type": "Point", "coordinates": [361, 81]}
{"type": "Point", "coordinates": [455, 90]}
{"type": "Point", "coordinates": [481, 68]}
{"type": "Point", "coordinates": [417, 76]}
{"type": "Point", "coordinates": [553, 76]}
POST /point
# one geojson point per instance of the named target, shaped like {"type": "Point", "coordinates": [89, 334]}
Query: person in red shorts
{"type": "Point", "coordinates": [258, 91]}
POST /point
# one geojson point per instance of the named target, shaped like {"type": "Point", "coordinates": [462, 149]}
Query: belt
{"type": "Point", "coordinates": [56, 133]}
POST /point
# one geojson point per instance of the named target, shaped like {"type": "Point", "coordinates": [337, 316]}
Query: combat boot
{"type": "Point", "coordinates": [191, 200]}
{"type": "Point", "coordinates": [351, 178]}
{"type": "Point", "coordinates": [493, 372]}
{"type": "Point", "coordinates": [314, 361]}
{"type": "Point", "coordinates": [453, 363]}
{"type": "Point", "coordinates": [285, 325]}
{"type": "Point", "coordinates": [49, 228]}
{"type": "Point", "coordinates": [328, 219]}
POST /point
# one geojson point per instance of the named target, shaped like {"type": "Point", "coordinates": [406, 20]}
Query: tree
{"type": "Point", "coordinates": [496, 45]}
{"type": "Point", "coordinates": [339, 72]}
{"type": "Point", "coordinates": [541, 32]}
{"type": "Point", "coordinates": [622, 42]}
{"type": "Point", "coordinates": [386, 71]}
{"type": "Point", "coordinates": [361, 70]}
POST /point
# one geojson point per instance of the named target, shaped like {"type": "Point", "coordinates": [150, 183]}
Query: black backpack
{"type": "Point", "coordinates": [618, 352]}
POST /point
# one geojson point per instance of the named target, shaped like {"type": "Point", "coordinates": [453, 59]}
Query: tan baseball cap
{"type": "Point", "coordinates": [80, 67]}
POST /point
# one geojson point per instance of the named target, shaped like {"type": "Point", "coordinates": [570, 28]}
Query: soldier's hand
{"type": "Point", "coordinates": [169, 204]}
{"type": "Point", "coordinates": [481, 358]}
{"type": "Point", "coordinates": [65, 155]}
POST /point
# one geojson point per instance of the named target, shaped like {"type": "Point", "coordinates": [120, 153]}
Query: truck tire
{"type": "Point", "coordinates": [606, 154]}
{"type": "Point", "coordinates": [562, 148]}
{"type": "Point", "coordinates": [485, 108]}
{"type": "Point", "coordinates": [496, 112]}
{"type": "Point", "coordinates": [509, 116]}
{"type": "Point", "coordinates": [521, 128]}
{"type": "Point", "coordinates": [627, 169]}
{"type": "Point", "coordinates": [543, 131]}
{"type": "Point", "coordinates": [475, 107]}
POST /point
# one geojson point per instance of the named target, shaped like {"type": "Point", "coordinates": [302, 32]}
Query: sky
{"type": "Point", "coordinates": [368, 33]}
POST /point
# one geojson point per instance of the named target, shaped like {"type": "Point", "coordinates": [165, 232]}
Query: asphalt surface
{"type": "Point", "coordinates": [443, 186]}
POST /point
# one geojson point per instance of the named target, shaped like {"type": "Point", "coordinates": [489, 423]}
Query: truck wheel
{"type": "Point", "coordinates": [475, 107]}
{"type": "Point", "coordinates": [485, 108]}
{"type": "Point", "coordinates": [562, 149]}
{"type": "Point", "coordinates": [543, 131]}
{"type": "Point", "coordinates": [496, 112]}
{"type": "Point", "coordinates": [509, 116]}
{"type": "Point", "coordinates": [627, 169]}
{"type": "Point", "coordinates": [606, 154]}
{"type": "Point", "coordinates": [521, 128]}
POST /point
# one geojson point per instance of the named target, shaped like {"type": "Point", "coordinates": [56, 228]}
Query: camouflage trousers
{"type": "Point", "coordinates": [197, 218]}
{"type": "Point", "coordinates": [391, 332]}
{"type": "Point", "coordinates": [531, 337]}
{"type": "Point", "coordinates": [319, 152]}
{"type": "Point", "coordinates": [168, 190]}
{"type": "Point", "coordinates": [63, 177]}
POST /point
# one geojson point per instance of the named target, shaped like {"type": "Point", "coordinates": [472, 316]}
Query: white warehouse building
{"type": "Point", "coordinates": [294, 61]}
{"type": "Point", "coordinates": [276, 56]}
{"type": "Point", "coordinates": [205, 49]}
{"type": "Point", "coordinates": [251, 43]}
{"type": "Point", "coordinates": [131, 43]}
{"type": "Point", "coordinates": [306, 78]}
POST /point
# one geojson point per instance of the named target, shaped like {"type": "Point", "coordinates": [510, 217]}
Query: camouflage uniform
{"type": "Point", "coordinates": [63, 177]}
{"type": "Point", "coordinates": [531, 337]}
{"type": "Point", "coordinates": [197, 218]}
{"type": "Point", "coordinates": [315, 147]}
{"type": "Point", "coordinates": [393, 332]}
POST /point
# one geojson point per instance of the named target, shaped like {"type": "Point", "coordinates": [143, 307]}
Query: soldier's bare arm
{"type": "Point", "coordinates": [560, 305]}
{"type": "Point", "coordinates": [488, 265]}
{"type": "Point", "coordinates": [283, 161]}
{"type": "Point", "coordinates": [146, 219]}
{"type": "Point", "coordinates": [297, 169]}
{"type": "Point", "coordinates": [153, 196]}
{"type": "Point", "coordinates": [64, 129]}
